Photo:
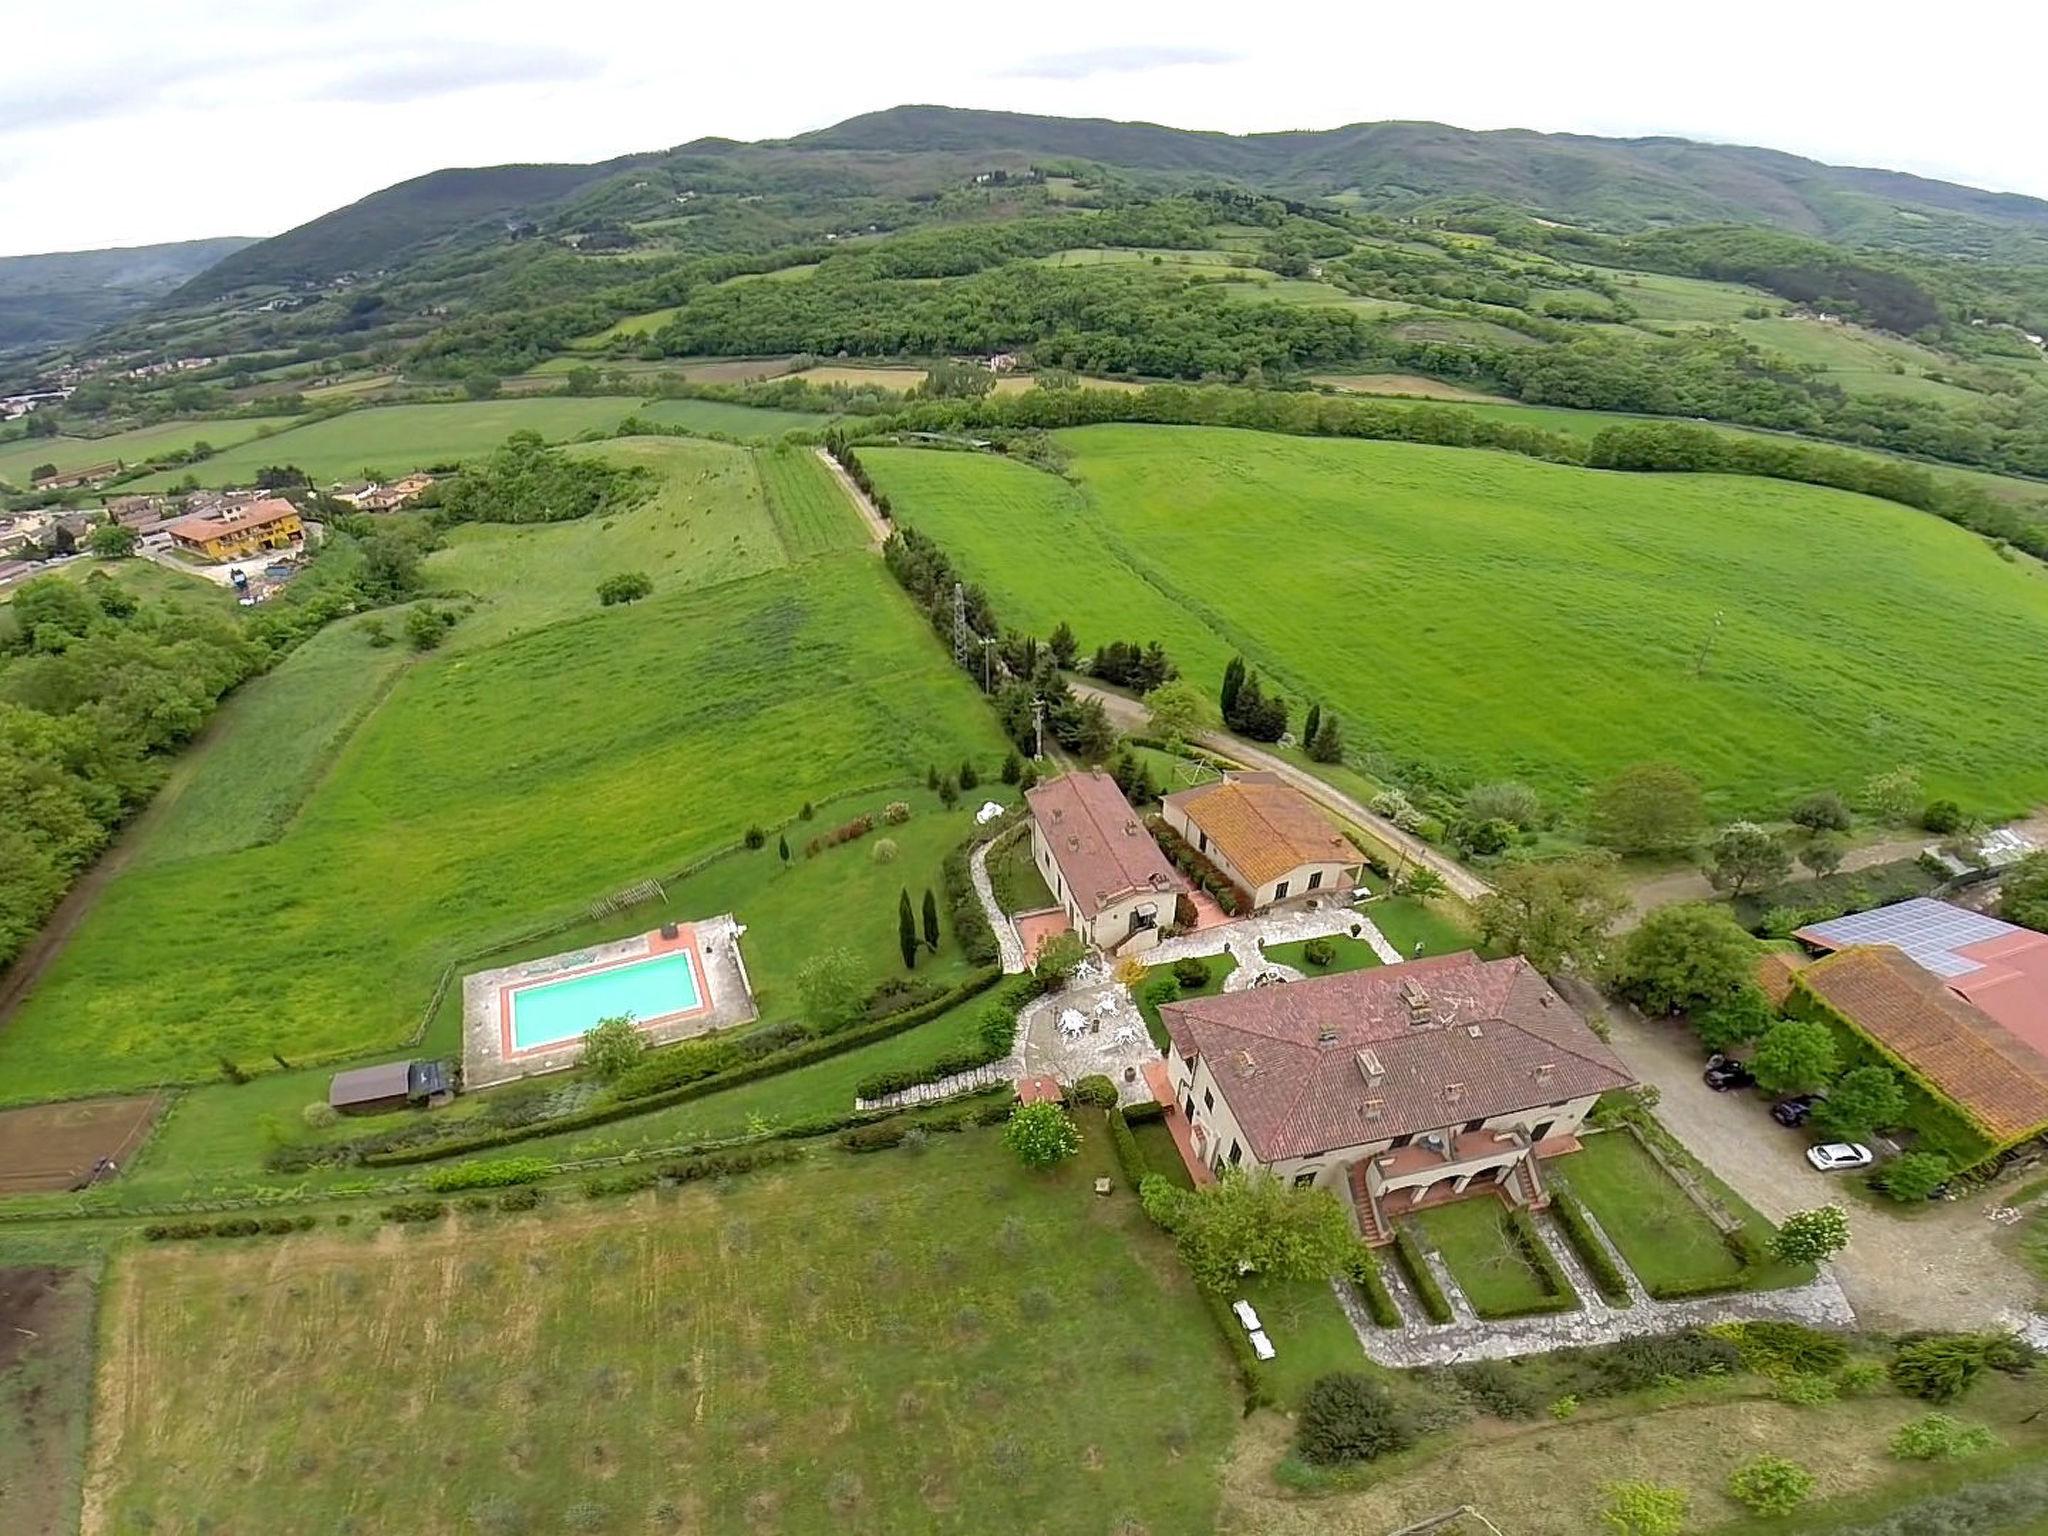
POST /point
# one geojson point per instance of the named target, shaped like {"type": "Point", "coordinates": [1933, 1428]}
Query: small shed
{"type": "Point", "coordinates": [370, 1090]}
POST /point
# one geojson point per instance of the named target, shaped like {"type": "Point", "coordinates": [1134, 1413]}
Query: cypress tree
{"type": "Point", "coordinates": [782, 847]}
{"type": "Point", "coordinates": [1310, 726]}
{"type": "Point", "coordinates": [906, 930]}
{"type": "Point", "coordinates": [931, 921]}
{"type": "Point", "coordinates": [1233, 682]}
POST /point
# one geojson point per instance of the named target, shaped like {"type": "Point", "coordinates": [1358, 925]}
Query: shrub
{"type": "Point", "coordinates": [1644, 1509]}
{"type": "Point", "coordinates": [1772, 1348]}
{"type": "Point", "coordinates": [1162, 1200]}
{"type": "Point", "coordinates": [1939, 1437]}
{"type": "Point", "coordinates": [626, 587]}
{"type": "Point", "coordinates": [755, 837]}
{"type": "Point", "coordinates": [1940, 1367]}
{"type": "Point", "coordinates": [1578, 1231]}
{"type": "Point", "coordinates": [1825, 811]}
{"type": "Point", "coordinates": [1095, 1091]}
{"type": "Point", "coordinates": [1564, 1407]}
{"type": "Point", "coordinates": [1319, 952]}
{"type": "Point", "coordinates": [896, 812]}
{"type": "Point", "coordinates": [1420, 1278]}
{"type": "Point", "coordinates": [1916, 1176]}
{"type": "Point", "coordinates": [876, 1137]}
{"type": "Point", "coordinates": [1498, 1388]}
{"type": "Point", "coordinates": [1346, 1417]}
{"type": "Point", "coordinates": [1859, 1377]}
{"type": "Point", "coordinates": [526, 1198]}
{"type": "Point", "coordinates": [1362, 1269]}
{"type": "Point", "coordinates": [1807, 1237]}
{"type": "Point", "coordinates": [1771, 1485]}
{"type": "Point", "coordinates": [1041, 1134]}
{"type": "Point", "coordinates": [1809, 1391]}
{"type": "Point", "coordinates": [495, 1174]}
{"type": "Point", "coordinates": [415, 1210]}
{"type": "Point", "coordinates": [318, 1116]}
{"type": "Point", "coordinates": [1942, 817]}
{"type": "Point", "coordinates": [884, 851]}
{"type": "Point", "coordinates": [1611, 1370]}
{"type": "Point", "coordinates": [612, 1047]}
{"type": "Point", "coordinates": [1191, 973]}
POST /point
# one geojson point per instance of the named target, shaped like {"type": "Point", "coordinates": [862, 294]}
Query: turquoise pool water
{"type": "Point", "coordinates": [646, 989]}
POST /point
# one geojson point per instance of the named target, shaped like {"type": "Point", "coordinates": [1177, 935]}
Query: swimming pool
{"type": "Point", "coordinates": [650, 989]}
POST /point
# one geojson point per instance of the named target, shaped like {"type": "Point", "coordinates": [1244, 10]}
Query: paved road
{"type": "Point", "coordinates": [1944, 1266]}
{"type": "Point", "coordinates": [1129, 714]}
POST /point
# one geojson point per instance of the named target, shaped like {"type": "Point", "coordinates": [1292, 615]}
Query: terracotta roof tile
{"type": "Point", "coordinates": [1102, 848]}
{"type": "Point", "coordinates": [257, 514]}
{"type": "Point", "coordinates": [1999, 1081]}
{"type": "Point", "coordinates": [1311, 1066]}
{"type": "Point", "coordinates": [1774, 973]}
{"type": "Point", "coordinates": [1263, 826]}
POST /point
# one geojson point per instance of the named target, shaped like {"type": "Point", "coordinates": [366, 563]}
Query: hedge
{"type": "Point", "coordinates": [1129, 1155]}
{"type": "Point", "coordinates": [1522, 1229]}
{"type": "Point", "coordinates": [1257, 1394]}
{"type": "Point", "coordinates": [766, 1066]}
{"type": "Point", "coordinates": [1362, 1269]}
{"type": "Point", "coordinates": [1578, 1231]}
{"type": "Point", "coordinates": [994, 1040]}
{"type": "Point", "coordinates": [689, 1170]}
{"type": "Point", "coordinates": [971, 930]}
{"type": "Point", "coordinates": [1145, 1111]}
{"type": "Point", "coordinates": [496, 1174]}
{"type": "Point", "coordinates": [233, 1226]}
{"type": "Point", "coordinates": [1416, 1267]}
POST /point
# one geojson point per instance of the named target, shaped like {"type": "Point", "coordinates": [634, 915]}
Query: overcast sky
{"type": "Point", "coordinates": [125, 122]}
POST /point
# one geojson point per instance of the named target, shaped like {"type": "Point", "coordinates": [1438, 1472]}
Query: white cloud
{"type": "Point", "coordinates": [142, 121]}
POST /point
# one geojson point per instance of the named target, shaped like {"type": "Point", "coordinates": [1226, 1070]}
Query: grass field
{"type": "Point", "coordinates": [754, 423]}
{"type": "Point", "coordinates": [1352, 955]}
{"type": "Point", "coordinates": [497, 787]}
{"type": "Point", "coordinates": [811, 513]}
{"type": "Point", "coordinates": [1660, 299]}
{"type": "Point", "coordinates": [1472, 1236]}
{"type": "Point", "coordinates": [633, 325]}
{"type": "Point", "coordinates": [19, 457]}
{"type": "Point", "coordinates": [1664, 1237]}
{"type": "Point", "coordinates": [1403, 384]}
{"type": "Point", "coordinates": [855, 377]}
{"type": "Point", "coordinates": [906, 1342]}
{"type": "Point", "coordinates": [391, 439]}
{"type": "Point", "coordinates": [1855, 635]}
{"type": "Point", "coordinates": [707, 523]}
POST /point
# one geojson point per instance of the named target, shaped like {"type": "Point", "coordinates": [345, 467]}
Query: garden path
{"type": "Point", "coordinates": [1008, 945]}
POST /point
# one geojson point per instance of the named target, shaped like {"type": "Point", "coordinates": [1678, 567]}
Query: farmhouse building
{"type": "Point", "coordinates": [1117, 888]}
{"type": "Point", "coordinates": [1266, 837]}
{"type": "Point", "coordinates": [235, 533]}
{"type": "Point", "coordinates": [1398, 1086]}
{"type": "Point", "coordinates": [371, 1090]}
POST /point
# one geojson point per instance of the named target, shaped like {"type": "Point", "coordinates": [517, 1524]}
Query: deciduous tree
{"type": "Point", "coordinates": [1180, 711]}
{"type": "Point", "coordinates": [1863, 1100]}
{"type": "Point", "coordinates": [1650, 808]}
{"type": "Point", "coordinates": [1042, 1135]}
{"type": "Point", "coordinates": [611, 1046]}
{"type": "Point", "coordinates": [1807, 1237]}
{"type": "Point", "coordinates": [1794, 1056]}
{"type": "Point", "coordinates": [832, 986]}
{"type": "Point", "coordinates": [1745, 857]}
{"type": "Point", "coordinates": [1256, 1223]}
{"type": "Point", "coordinates": [1686, 957]}
{"type": "Point", "coordinates": [1557, 912]}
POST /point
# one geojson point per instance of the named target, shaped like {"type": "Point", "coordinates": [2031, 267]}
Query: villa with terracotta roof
{"type": "Point", "coordinates": [236, 533]}
{"type": "Point", "coordinates": [1117, 888]}
{"type": "Point", "coordinates": [1397, 1086]}
{"type": "Point", "coordinates": [1266, 836]}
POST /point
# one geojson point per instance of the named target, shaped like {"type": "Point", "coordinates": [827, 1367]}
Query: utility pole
{"type": "Point", "coordinates": [959, 626]}
{"type": "Point", "coordinates": [1699, 662]}
{"type": "Point", "coordinates": [1038, 726]}
{"type": "Point", "coordinates": [988, 646]}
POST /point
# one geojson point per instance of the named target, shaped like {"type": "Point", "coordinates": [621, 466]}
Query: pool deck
{"type": "Point", "coordinates": [488, 1056]}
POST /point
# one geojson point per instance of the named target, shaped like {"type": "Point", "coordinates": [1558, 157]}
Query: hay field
{"type": "Point", "coordinates": [19, 457]}
{"type": "Point", "coordinates": [1497, 617]}
{"type": "Point", "coordinates": [904, 1342]}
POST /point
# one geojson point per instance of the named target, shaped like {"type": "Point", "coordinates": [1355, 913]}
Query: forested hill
{"type": "Point", "coordinates": [1612, 185]}
{"type": "Point", "coordinates": [66, 294]}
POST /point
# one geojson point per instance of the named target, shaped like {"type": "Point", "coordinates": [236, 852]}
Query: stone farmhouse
{"type": "Point", "coordinates": [1117, 888]}
{"type": "Point", "coordinates": [1395, 1087]}
{"type": "Point", "coordinates": [1266, 837]}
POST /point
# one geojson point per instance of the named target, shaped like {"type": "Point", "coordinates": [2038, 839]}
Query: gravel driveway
{"type": "Point", "coordinates": [1943, 1266]}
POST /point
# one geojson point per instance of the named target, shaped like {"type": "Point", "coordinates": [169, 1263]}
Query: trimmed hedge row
{"type": "Point", "coordinates": [689, 1170]}
{"type": "Point", "coordinates": [971, 930]}
{"type": "Point", "coordinates": [1362, 1269]}
{"type": "Point", "coordinates": [496, 1174]}
{"type": "Point", "coordinates": [234, 1226]}
{"type": "Point", "coordinates": [1521, 1228]}
{"type": "Point", "coordinates": [1257, 1394]}
{"type": "Point", "coordinates": [1578, 1231]}
{"type": "Point", "coordinates": [1129, 1155]}
{"type": "Point", "coordinates": [1144, 1113]}
{"type": "Point", "coordinates": [993, 1041]}
{"type": "Point", "coordinates": [766, 1066]}
{"type": "Point", "coordinates": [1416, 1267]}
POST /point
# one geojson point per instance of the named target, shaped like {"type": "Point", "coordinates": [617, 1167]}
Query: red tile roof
{"type": "Point", "coordinates": [1995, 1077]}
{"type": "Point", "coordinates": [2010, 983]}
{"type": "Point", "coordinates": [1263, 826]}
{"type": "Point", "coordinates": [257, 514]}
{"type": "Point", "coordinates": [1102, 848]}
{"type": "Point", "coordinates": [1312, 1066]}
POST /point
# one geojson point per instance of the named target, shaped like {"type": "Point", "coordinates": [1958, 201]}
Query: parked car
{"type": "Point", "coordinates": [1725, 1073]}
{"type": "Point", "coordinates": [1793, 1111]}
{"type": "Point", "coordinates": [1839, 1156]}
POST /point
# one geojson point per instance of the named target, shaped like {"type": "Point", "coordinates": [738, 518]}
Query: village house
{"type": "Point", "coordinates": [1395, 1087]}
{"type": "Point", "coordinates": [370, 496]}
{"type": "Point", "coordinates": [236, 533]}
{"type": "Point", "coordinates": [1117, 888]}
{"type": "Point", "coordinates": [1266, 837]}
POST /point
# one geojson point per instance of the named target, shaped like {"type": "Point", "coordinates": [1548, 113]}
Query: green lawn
{"type": "Point", "coordinates": [492, 790]}
{"type": "Point", "coordinates": [1408, 921]}
{"type": "Point", "coordinates": [811, 510]}
{"type": "Point", "coordinates": [1311, 1335]}
{"type": "Point", "coordinates": [1220, 967]}
{"type": "Point", "coordinates": [1661, 299]}
{"type": "Point", "coordinates": [1014, 876]}
{"type": "Point", "coordinates": [1483, 1258]}
{"type": "Point", "coordinates": [391, 439]}
{"type": "Point", "coordinates": [914, 1342]}
{"type": "Point", "coordinates": [1352, 955]}
{"type": "Point", "coordinates": [1666, 1239]}
{"type": "Point", "coordinates": [19, 457]}
{"type": "Point", "coordinates": [1161, 1155]}
{"type": "Point", "coordinates": [1891, 638]}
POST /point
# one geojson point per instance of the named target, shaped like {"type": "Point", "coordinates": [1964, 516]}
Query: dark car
{"type": "Point", "coordinates": [1793, 1111]}
{"type": "Point", "coordinates": [1725, 1073]}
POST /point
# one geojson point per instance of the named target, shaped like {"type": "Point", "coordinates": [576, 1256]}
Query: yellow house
{"type": "Point", "coordinates": [239, 532]}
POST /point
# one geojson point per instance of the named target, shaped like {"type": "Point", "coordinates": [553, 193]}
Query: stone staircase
{"type": "Point", "coordinates": [945, 1088]}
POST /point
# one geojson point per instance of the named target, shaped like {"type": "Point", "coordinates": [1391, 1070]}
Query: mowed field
{"type": "Point", "coordinates": [19, 457]}
{"type": "Point", "coordinates": [558, 753]}
{"type": "Point", "coordinates": [392, 439]}
{"type": "Point", "coordinates": [1500, 617]}
{"type": "Point", "coordinates": [907, 1342]}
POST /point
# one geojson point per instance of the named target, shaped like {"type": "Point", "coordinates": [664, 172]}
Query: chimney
{"type": "Point", "coordinates": [1372, 1109]}
{"type": "Point", "coordinates": [1473, 1030]}
{"type": "Point", "coordinates": [1369, 1067]}
{"type": "Point", "coordinates": [1419, 1010]}
{"type": "Point", "coordinates": [1545, 1071]}
{"type": "Point", "coordinates": [1246, 1064]}
{"type": "Point", "coordinates": [1454, 1093]}
{"type": "Point", "coordinates": [1327, 1035]}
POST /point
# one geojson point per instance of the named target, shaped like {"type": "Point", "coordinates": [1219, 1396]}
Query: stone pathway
{"type": "Point", "coordinates": [1818, 1304]}
{"type": "Point", "coordinates": [1285, 927]}
{"type": "Point", "coordinates": [1008, 945]}
{"type": "Point", "coordinates": [1044, 1052]}
{"type": "Point", "coordinates": [1004, 1071]}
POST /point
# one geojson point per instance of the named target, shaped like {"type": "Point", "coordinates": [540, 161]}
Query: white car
{"type": "Point", "coordinates": [1839, 1156]}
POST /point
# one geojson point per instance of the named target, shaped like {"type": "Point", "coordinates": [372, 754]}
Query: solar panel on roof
{"type": "Point", "coordinates": [1930, 932]}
